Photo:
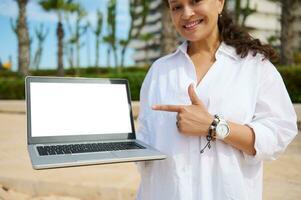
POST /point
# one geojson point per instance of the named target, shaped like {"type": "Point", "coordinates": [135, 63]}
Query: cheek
{"type": "Point", "coordinates": [212, 20]}
{"type": "Point", "coordinates": [176, 21]}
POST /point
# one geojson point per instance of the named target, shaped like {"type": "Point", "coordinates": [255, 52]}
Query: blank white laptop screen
{"type": "Point", "coordinates": [62, 109]}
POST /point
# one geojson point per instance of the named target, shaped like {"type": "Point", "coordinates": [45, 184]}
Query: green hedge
{"type": "Point", "coordinates": [135, 80]}
{"type": "Point", "coordinates": [292, 79]}
{"type": "Point", "coordinates": [12, 88]}
{"type": "Point", "coordinates": [12, 85]}
{"type": "Point", "coordinates": [94, 71]}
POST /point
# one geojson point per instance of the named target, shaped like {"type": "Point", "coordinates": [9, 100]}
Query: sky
{"type": "Point", "coordinates": [36, 16]}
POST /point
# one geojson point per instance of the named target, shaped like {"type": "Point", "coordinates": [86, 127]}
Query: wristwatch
{"type": "Point", "coordinates": [221, 128]}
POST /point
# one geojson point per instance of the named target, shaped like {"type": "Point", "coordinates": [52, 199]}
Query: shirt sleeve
{"type": "Point", "coordinates": [145, 107]}
{"type": "Point", "coordinates": [274, 122]}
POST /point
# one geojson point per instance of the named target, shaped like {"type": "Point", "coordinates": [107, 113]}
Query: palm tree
{"type": "Point", "coordinates": [69, 44]}
{"type": "Point", "coordinates": [288, 8]}
{"type": "Point", "coordinates": [134, 30]}
{"type": "Point", "coordinates": [97, 33]}
{"type": "Point", "coordinates": [88, 27]}
{"type": "Point", "coordinates": [79, 31]}
{"type": "Point", "coordinates": [111, 21]}
{"type": "Point", "coordinates": [41, 36]}
{"type": "Point", "coordinates": [240, 13]}
{"type": "Point", "coordinates": [237, 11]}
{"type": "Point", "coordinates": [287, 31]}
{"type": "Point", "coordinates": [246, 12]}
{"type": "Point", "coordinates": [107, 39]}
{"type": "Point", "coordinates": [23, 39]}
{"type": "Point", "coordinates": [60, 7]}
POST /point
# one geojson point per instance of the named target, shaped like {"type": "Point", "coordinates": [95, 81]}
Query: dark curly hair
{"type": "Point", "coordinates": [240, 39]}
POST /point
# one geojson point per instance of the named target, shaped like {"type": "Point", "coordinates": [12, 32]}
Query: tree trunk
{"type": "Point", "coordinates": [169, 37]}
{"type": "Point", "coordinates": [77, 68]}
{"type": "Point", "coordinates": [37, 57]}
{"type": "Point", "coordinates": [77, 54]}
{"type": "Point", "coordinates": [88, 49]}
{"type": "Point", "coordinates": [109, 56]}
{"type": "Point", "coordinates": [287, 32]}
{"type": "Point", "coordinates": [97, 53]}
{"type": "Point", "coordinates": [116, 59]}
{"type": "Point", "coordinates": [23, 39]}
{"type": "Point", "coordinates": [237, 11]}
{"type": "Point", "coordinates": [71, 56]}
{"type": "Point", "coordinates": [122, 56]}
{"type": "Point", "coordinates": [60, 37]}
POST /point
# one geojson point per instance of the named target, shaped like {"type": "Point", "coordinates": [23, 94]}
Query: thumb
{"type": "Point", "coordinates": [193, 96]}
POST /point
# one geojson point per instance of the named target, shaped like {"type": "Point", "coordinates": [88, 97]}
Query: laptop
{"type": "Point", "coordinates": [81, 121]}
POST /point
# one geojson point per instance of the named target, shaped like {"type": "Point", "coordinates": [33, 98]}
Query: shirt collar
{"type": "Point", "coordinates": [222, 49]}
{"type": "Point", "coordinates": [227, 50]}
{"type": "Point", "coordinates": [183, 47]}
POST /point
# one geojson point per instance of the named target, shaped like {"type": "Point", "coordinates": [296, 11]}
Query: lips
{"type": "Point", "coordinates": [191, 25]}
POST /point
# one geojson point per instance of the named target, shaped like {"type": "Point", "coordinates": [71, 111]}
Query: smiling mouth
{"type": "Point", "coordinates": [192, 25]}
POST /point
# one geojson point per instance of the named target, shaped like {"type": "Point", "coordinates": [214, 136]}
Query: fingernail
{"type": "Point", "coordinates": [154, 107]}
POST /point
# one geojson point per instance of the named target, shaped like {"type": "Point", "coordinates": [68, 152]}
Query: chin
{"type": "Point", "coordinates": [193, 38]}
{"type": "Point", "coordinates": [199, 35]}
{"type": "Point", "coordinates": [194, 35]}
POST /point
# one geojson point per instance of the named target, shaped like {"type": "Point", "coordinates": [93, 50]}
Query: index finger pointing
{"type": "Point", "coordinates": [168, 108]}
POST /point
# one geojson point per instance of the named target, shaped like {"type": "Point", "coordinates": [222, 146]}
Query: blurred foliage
{"type": "Point", "coordinates": [292, 79]}
{"type": "Point", "coordinates": [12, 85]}
{"type": "Point", "coordinates": [12, 88]}
{"type": "Point", "coordinates": [297, 57]}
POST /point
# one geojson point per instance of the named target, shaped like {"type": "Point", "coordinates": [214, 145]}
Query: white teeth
{"type": "Point", "coordinates": [192, 24]}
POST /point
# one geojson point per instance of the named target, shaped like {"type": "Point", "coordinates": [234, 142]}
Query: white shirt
{"type": "Point", "coordinates": [248, 91]}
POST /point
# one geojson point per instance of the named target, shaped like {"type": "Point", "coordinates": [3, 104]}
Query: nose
{"type": "Point", "coordinates": [187, 12]}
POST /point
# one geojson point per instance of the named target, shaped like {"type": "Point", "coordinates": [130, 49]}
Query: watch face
{"type": "Point", "coordinates": [222, 129]}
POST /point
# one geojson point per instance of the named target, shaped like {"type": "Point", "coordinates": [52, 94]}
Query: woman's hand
{"type": "Point", "coordinates": [192, 120]}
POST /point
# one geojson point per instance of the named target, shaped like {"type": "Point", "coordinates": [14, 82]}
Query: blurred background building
{"type": "Point", "coordinates": [262, 21]}
{"type": "Point", "coordinates": [147, 47]}
{"type": "Point", "coordinates": [124, 33]}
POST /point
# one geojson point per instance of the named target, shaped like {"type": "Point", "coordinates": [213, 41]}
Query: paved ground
{"type": "Point", "coordinates": [282, 178]}
{"type": "Point", "coordinates": [118, 181]}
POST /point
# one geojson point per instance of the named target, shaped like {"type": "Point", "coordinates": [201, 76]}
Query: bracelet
{"type": "Point", "coordinates": [211, 134]}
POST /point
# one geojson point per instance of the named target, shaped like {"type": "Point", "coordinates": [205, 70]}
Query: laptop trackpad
{"type": "Point", "coordinates": [95, 156]}
{"type": "Point", "coordinates": [139, 153]}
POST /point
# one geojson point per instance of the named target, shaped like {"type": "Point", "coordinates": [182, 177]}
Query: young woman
{"type": "Point", "coordinates": [216, 107]}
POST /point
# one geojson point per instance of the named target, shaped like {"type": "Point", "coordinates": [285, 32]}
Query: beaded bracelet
{"type": "Point", "coordinates": [209, 137]}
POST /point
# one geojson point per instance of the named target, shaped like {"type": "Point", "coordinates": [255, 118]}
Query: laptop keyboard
{"type": "Point", "coordinates": [87, 148]}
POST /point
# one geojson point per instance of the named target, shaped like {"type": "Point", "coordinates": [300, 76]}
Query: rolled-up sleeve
{"type": "Point", "coordinates": [274, 122]}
